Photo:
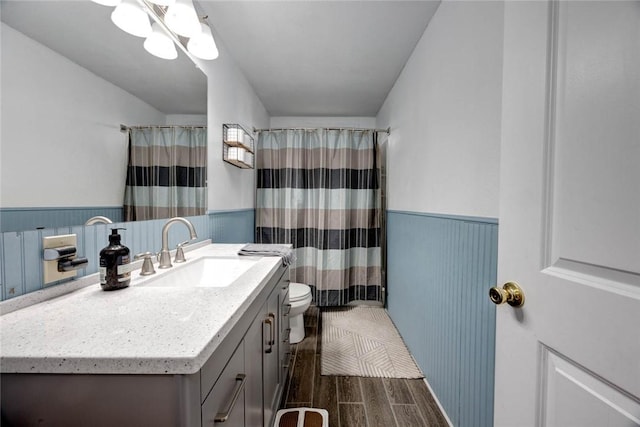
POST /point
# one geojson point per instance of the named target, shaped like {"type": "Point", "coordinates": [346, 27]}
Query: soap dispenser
{"type": "Point", "coordinates": [115, 267]}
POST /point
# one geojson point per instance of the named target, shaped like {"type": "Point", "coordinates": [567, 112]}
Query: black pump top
{"type": "Point", "coordinates": [114, 237]}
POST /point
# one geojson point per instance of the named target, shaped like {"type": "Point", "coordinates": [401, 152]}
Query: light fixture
{"type": "Point", "coordinates": [130, 17]}
{"type": "Point", "coordinates": [107, 2]}
{"type": "Point", "coordinates": [202, 44]}
{"type": "Point", "coordinates": [182, 18]}
{"type": "Point", "coordinates": [163, 2]}
{"type": "Point", "coordinates": [175, 22]}
{"type": "Point", "coordinates": [159, 44]}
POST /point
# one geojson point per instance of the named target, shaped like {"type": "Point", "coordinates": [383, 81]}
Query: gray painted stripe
{"type": "Point", "coordinates": [334, 219]}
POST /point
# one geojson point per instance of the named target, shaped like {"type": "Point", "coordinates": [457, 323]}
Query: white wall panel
{"type": "Point", "coordinates": [60, 140]}
{"type": "Point", "coordinates": [444, 111]}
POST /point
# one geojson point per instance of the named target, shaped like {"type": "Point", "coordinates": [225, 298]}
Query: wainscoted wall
{"type": "Point", "coordinates": [21, 252]}
{"type": "Point", "coordinates": [18, 219]}
{"type": "Point", "coordinates": [440, 269]}
{"type": "Point", "coordinates": [234, 226]}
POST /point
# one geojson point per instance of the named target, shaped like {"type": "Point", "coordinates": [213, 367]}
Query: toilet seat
{"type": "Point", "coordinates": [298, 291]}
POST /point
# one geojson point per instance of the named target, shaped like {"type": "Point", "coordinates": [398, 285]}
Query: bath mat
{"type": "Point", "coordinates": [363, 342]}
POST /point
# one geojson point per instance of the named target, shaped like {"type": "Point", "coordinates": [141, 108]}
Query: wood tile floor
{"type": "Point", "coordinates": [355, 401]}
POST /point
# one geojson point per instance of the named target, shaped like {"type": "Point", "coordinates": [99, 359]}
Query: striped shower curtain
{"type": "Point", "coordinates": [167, 172]}
{"type": "Point", "coordinates": [319, 190]}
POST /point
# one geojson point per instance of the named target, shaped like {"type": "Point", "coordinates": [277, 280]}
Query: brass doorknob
{"type": "Point", "coordinates": [510, 293]}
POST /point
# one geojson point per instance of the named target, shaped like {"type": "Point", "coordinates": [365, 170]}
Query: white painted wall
{"type": "Point", "coordinates": [186, 119]}
{"type": "Point", "coordinates": [61, 143]}
{"type": "Point", "coordinates": [231, 99]}
{"type": "Point", "coordinates": [317, 122]}
{"type": "Point", "coordinates": [445, 115]}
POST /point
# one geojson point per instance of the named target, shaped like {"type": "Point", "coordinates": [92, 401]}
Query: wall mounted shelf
{"type": "Point", "coordinates": [237, 146]}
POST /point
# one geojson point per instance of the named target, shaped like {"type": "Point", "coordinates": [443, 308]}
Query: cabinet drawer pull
{"type": "Point", "coordinates": [286, 313]}
{"type": "Point", "coordinates": [287, 358]}
{"type": "Point", "coordinates": [272, 336]}
{"type": "Point", "coordinates": [288, 331]}
{"type": "Point", "coordinates": [269, 321]}
{"type": "Point", "coordinates": [224, 416]}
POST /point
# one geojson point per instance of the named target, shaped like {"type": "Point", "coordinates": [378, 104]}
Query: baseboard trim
{"type": "Point", "coordinates": [435, 397]}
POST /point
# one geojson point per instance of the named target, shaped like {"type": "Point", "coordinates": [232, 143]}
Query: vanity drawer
{"type": "Point", "coordinates": [285, 307]}
{"type": "Point", "coordinates": [284, 348]}
{"type": "Point", "coordinates": [225, 404]}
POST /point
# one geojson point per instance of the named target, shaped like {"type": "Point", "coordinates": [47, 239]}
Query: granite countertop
{"type": "Point", "coordinates": [136, 330]}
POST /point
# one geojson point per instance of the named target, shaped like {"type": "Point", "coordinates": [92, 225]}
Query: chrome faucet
{"type": "Point", "coordinates": [147, 263]}
{"type": "Point", "coordinates": [165, 257]}
{"type": "Point", "coordinates": [97, 219]}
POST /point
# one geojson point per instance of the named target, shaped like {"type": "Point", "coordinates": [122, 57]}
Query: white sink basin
{"type": "Point", "coordinates": [208, 272]}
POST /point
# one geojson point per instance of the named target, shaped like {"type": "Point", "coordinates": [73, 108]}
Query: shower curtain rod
{"type": "Point", "coordinates": [125, 128]}
{"type": "Point", "coordinates": [387, 130]}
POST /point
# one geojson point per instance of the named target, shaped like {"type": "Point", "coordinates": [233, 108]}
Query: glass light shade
{"type": "Point", "coordinates": [182, 19]}
{"type": "Point", "coordinates": [107, 2]}
{"type": "Point", "coordinates": [159, 44]}
{"type": "Point", "coordinates": [202, 44]}
{"type": "Point", "coordinates": [130, 17]}
{"type": "Point", "coordinates": [163, 2]}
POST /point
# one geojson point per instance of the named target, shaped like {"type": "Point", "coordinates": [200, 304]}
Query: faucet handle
{"type": "Point", "coordinates": [180, 252]}
{"type": "Point", "coordinates": [147, 264]}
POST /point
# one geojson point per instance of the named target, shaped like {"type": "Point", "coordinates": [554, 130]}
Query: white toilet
{"type": "Point", "coordinates": [300, 299]}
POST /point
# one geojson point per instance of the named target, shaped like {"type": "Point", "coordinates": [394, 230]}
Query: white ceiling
{"type": "Point", "coordinates": [303, 58]}
{"type": "Point", "coordinates": [320, 58]}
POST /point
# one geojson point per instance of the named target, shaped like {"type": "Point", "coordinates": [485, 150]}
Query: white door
{"type": "Point", "coordinates": [570, 215]}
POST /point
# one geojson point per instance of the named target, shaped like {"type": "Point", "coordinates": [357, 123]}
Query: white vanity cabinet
{"type": "Point", "coordinates": [240, 384]}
